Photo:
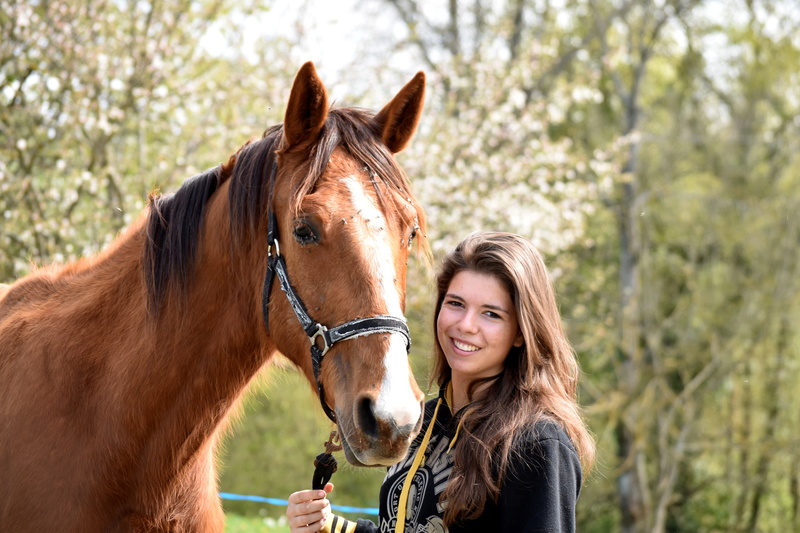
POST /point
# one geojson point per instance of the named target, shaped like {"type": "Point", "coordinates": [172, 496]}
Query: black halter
{"type": "Point", "coordinates": [320, 336]}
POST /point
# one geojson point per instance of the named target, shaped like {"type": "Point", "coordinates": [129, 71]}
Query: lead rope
{"type": "Point", "coordinates": [403, 503]}
{"type": "Point", "coordinates": [325, 464]}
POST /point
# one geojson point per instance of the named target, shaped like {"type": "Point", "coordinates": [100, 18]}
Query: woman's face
{"type": "Point", "coordinates": [477, 326]}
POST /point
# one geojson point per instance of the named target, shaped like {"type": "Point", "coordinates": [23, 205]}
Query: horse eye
{"type": "Point", "coordinates": [412, 235]}
{"type": "Point", "coordinates": [304, 234]}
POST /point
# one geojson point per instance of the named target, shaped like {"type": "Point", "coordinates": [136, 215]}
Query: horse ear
{"type": "Point", "coordinates": [398, 121]}
{"type": "Point", "coordinates": [307, 108]}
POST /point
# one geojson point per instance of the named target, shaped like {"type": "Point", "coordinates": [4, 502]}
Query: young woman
{"type": "Point", "coordinates": [501, 448]}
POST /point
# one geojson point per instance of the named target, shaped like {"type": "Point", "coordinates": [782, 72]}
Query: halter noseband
{"type": "Point", "coordinates": [321, 337]}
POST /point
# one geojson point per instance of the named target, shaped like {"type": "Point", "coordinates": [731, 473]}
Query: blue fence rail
{"type": "Point", "coordinates": [276, 501]}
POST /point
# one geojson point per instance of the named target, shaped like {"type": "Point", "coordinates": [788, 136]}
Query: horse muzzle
{"type": "Point", "coordinates": [374, 437]}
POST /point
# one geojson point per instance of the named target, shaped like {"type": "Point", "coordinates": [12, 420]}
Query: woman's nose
{"type": "Point", "coordinates": [468, 322]}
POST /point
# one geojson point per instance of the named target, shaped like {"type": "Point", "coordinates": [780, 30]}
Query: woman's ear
{"type": "Point", "coordinates": [519, 341]}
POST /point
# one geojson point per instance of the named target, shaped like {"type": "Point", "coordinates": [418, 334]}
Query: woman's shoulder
{"type": "Point", "coordinates": [545, 436]}
{"type": "Point", "coordinates": [544, 451]}
{"type": "Point", "coordinates": [546, 428]}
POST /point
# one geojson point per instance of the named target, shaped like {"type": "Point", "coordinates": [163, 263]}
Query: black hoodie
{"type": "Point", "coordinates": [538, 494]}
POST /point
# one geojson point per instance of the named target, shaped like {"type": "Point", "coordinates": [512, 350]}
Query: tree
{"type": "Point", "coordinates": [492, 154]}
{"type": "Point", "coordinates": [655, 260]}
{"type": "Point", "coordinates": [100, 103]}
{"type": "Point", "coordinates": [685, 219]}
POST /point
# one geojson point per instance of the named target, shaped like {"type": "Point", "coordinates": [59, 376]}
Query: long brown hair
{"type": "Point", "coordinates": [539, 380]}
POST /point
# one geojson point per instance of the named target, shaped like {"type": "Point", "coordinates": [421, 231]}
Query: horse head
{"type": "Point", "coordinates": [344, 222]}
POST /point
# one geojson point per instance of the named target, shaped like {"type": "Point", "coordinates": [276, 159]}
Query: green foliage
{"type": "Point", "coordinates": [102, 102]}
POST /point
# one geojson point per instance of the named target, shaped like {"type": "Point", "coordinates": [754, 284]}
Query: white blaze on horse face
{"type": "Point", "coordinates": [396, 400]}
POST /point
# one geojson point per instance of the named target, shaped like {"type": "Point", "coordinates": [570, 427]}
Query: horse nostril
{"type": "Point", "coordinates": [365, 418]}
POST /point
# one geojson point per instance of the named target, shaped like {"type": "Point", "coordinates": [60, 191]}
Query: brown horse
{"type": "Point", "coordinates": [118, 372]}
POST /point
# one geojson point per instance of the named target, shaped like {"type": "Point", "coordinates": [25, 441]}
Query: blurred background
{"type": "Point", "coordinates": [650, 148]}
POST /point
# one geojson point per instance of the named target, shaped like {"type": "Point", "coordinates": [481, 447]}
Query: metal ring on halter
{"type": "Point", "coordinates": [320, 333]}
{"type": "Point", "coordinates": [277, 248]}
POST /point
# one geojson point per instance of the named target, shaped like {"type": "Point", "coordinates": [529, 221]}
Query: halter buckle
{"type": "Point", "coordinates": [320, 333]}
{"type": "Point", "coordinates": [277, 249]}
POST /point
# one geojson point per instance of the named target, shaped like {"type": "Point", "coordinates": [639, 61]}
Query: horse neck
{"type": "Point", "coordinates": [173, 378]}
{"type": "Point", "coordinates": [212, 341]}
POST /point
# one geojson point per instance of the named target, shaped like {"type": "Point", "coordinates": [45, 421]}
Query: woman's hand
{"type": "Point", "coordinates": [308, 510]}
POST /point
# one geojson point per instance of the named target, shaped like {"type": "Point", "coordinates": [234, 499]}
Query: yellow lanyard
{"type": "Point", "coordinates": [403, 503]}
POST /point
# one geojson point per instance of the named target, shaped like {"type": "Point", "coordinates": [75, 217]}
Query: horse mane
{"type": "Point", "coordinates": [174, 222]}
{"type": "Point", "coordinates": [172, 234]}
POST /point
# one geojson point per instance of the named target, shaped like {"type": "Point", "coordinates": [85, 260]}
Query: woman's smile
{"type": "Point", "coordinates": [465, 347]}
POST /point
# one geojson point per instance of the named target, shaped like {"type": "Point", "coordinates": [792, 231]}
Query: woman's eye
{"type": "Point", "coordinates": [304, 234]}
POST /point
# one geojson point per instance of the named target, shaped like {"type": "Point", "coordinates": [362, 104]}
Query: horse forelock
{"type": "Point", "coordinates": [356, 133]}
{"type": "Point", "coordinates": [175, 220]}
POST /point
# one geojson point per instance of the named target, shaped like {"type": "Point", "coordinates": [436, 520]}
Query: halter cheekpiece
{"type": "Point", "coordinates": [321, 337]}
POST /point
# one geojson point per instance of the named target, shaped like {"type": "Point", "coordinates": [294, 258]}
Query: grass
{"type": "Point", "coordinates": [255, 524]}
